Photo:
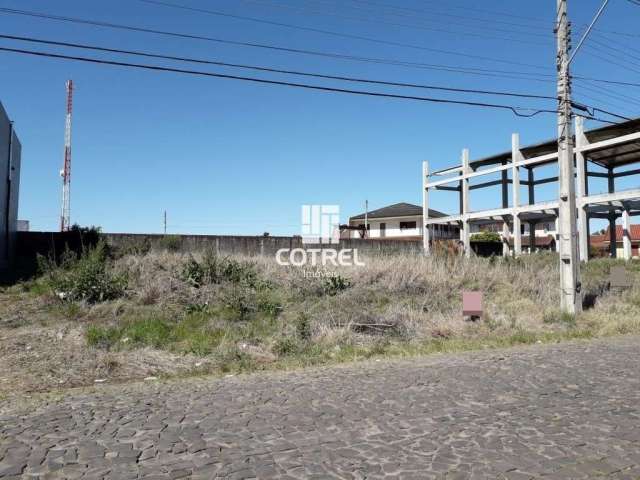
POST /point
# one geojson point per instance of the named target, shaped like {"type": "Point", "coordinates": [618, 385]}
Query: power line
{"type": "Point", "coordinates": [611, 82]}
{"type": "Point", "coordinates": [275, 70]}
{"type": "Point", "coordinates": [609, 103]}
{"type": "Point", "coordinates": [592, 110]}
{"type": "Point", "coordinates": [542, 77]}
{"type": "Point", "coordinates": [339, 34]}
{"type": "Point", "coordinates": [607, 93]}
{"type": "Point", "coordinates": [420, 26]}
{"type": "Point", "coordinates": [431, 13]}
{"type": "Point", "coordinates": [514, 109]}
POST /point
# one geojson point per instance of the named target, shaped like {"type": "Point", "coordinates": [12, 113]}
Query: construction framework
{"type": "Point", "coordinates": [612, 150]}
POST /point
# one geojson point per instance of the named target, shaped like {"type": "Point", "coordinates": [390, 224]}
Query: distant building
{"type": "Point", "coordinates": [23, 225]}
{"type": "Point", "coordinates": [602, 242]}
{"type": "Point", "coordinates": [10, 150]}
{"type": "Point", "coordinates": [400, 221]}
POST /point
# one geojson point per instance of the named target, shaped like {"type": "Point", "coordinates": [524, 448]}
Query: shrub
{"type": "Point", "coordinates": [85, 277]}
{"type": "Point", "coordinates": [193, 273]}
{"type": "Point", "coordinates": [239, 303]}
{"type": "Point", "coordinates": [303, 327]}
{"type": "Point", "coordinates": [335, 284]}
{"type": "Point", "coordinates": [286, 346]}
{"type": "Point", "coordinates": [486, 237]}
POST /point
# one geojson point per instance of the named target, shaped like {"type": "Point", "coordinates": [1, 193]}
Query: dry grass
{"type": "Point", "coordinates": [183, 314]}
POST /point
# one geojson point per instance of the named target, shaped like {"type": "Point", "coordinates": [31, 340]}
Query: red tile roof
{"type": "Point", "coordinates": [634, 234]}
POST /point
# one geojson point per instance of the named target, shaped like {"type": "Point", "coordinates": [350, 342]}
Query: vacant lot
{"type": "Point", "coordinates": [110, 316]}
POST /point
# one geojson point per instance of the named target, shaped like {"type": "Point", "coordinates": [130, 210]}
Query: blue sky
{"type": "Point", "coordinates": [229, 157]}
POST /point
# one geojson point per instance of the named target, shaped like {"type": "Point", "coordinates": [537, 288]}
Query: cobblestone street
{"type": "Point", "coordinates": [558, 412]}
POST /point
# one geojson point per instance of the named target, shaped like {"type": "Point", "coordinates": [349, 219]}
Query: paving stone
{"type": "Point", "coordinates": [546, 412]}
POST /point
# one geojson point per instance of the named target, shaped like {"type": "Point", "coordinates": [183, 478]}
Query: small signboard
{"type": "Point", "coordinates": [619, 278]}
{"type": "Point", "coordinates": [472, 305]}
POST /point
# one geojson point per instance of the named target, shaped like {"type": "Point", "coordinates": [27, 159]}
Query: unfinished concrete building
{"type": "Point", "coordinates": [10, 151]}
{"type": "Point", "coordinates": [608, 153]}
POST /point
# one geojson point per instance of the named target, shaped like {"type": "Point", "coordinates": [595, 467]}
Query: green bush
{"type": "Point", "coordinates": [303, 327]}
{"type": "Point", "coordinates": [335, 284]}
{"type": "Point", "coordinates": [193, 273]}
{"type": "Point", "coordinates": [486, 237]}
{"type": "Point", "coordinates": [85, 277]}
{"type": "Point", "coordinates": [239, 303]}
{"type": "Point", "coordinates": [286, 346]}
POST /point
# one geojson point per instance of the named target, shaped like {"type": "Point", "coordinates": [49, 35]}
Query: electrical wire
{"type": "Point", "coordinates": [421, 26]}
{"type": "Point", "coordinates": [412, 11]}
{"type": "Point", "coordinates": [516, 110]}
{"type": "Point", "coordinates": [340, 34]}
{"type": "Point", "coordinates": [538, 77]}
{"type": "Point", "coordinates": [274, 70]}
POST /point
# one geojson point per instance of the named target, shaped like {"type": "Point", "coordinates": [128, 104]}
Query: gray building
{"type": "Point", "coordinates": [10, 150]}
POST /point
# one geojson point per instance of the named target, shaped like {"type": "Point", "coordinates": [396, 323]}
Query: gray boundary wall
{"type": "Point", "coordinates": [10, 151]}
{"type": "Point", "coordinates": [31, 243]}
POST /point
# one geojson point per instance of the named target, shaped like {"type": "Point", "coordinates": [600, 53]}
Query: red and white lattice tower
{"type": "Point", "coordinates": [65, 173]}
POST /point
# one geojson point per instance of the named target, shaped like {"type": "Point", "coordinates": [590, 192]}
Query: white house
{"type": "Point", "coordinates": [400, 221]}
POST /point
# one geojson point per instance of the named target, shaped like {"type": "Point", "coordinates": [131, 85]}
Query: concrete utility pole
{"type": "Point", "coordinates": [165, 222]}
{"type": "Point", "coordinates": [570, 298]}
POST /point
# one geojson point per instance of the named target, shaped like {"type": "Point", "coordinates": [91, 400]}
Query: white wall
{"type": "Point", "coordinates": [392, 229]}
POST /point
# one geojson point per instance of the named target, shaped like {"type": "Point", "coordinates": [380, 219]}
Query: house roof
{"type": "Point", "coordinates": [634, 234]}
{"type": "Point", "coordinates": [397, 210]}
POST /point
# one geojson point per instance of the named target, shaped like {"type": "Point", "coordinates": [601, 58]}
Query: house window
{"type": "Point", "coordinates": [407, 225]}
{"type": "Point", "coordinates": [383, 229]}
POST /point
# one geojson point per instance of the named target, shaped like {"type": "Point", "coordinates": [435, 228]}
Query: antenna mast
{"type": "Point", "coordinates": [65, 173]}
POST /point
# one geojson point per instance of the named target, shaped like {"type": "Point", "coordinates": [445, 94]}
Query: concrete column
{"type": "Point", "coordinates": [613, 250]}
{"type": "Point", "coordinates": [626, 234]}
{"type": "Point", "coordinates": [532, 199]}
{"type": "Point", "coordinates": [505, 204]}
{"type": "Point", "coordinates": [505, 239]}
{"type": "Point", "coordinates": [532, 237]}
{"type": "Point", "coordinates": [516, 156]}
{"type": "Point", "coordinates": [582, 189]}
{"type": "Point", "coordinates": [425, 209]}
{"type": "Point", "coordinates": [465, 204]}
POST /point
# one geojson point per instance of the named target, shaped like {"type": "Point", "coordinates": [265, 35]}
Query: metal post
{"type": "Point", "coordinates": [465, 204]}
{"type": "Point", "coordinates": [626, 234]}
{"type": "Point", "coordinates": [569, 272]}
{"type": "Point", "coordinates": [425, 208]}
{"type": "Point", "coordinates": [516, 157]}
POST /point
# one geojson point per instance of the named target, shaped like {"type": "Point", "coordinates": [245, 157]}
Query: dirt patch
{"type": "Point", "coordinates": [40, 358]}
